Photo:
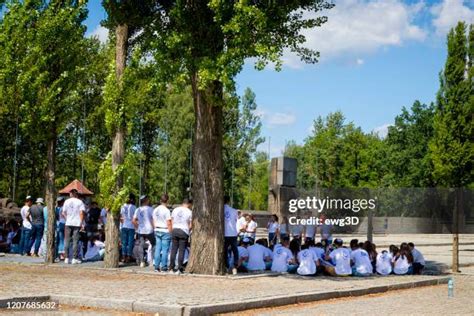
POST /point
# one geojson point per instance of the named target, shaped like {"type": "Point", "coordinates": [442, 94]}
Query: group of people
{"type": "Point", "coordinates": [305, 256]}
{"type": "Point", "coordinates": [160, 236]}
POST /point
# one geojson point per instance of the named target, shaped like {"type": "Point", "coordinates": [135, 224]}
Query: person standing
{"type": "Point", "coordinates": [181, 218]}
{"type": "Point", "coordinates": [143, 221]}
{"type": "Point", "coordinates": [163, 229]}
{"type": "Point", "coordinates": [37, 225]}
{"type": "Point", "coordinates": [230, 235]}
{"type": "Point", "coordinates": [60, 227]}
{"type": "Point", "coordinates": [74, 211]}
{"type": "Point", "coordinates": [273, 229]}
{"type": "Point", "coordinates": [127, 232]}
{"type": "Point", "coordinates": [251, 228]}
{"type": "Point", "coordinates": [26, 227]}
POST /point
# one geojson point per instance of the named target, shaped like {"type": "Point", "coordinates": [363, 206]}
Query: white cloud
{"type": "Point", "coordinates": [101, 33]}
{"type": "Point", "coordinates": [359, 61]}
{"type": "Point", "coordinates": [382, 131]}
{"type": "Point", "coordinates": [280, 119]}
{"type": "Point", "coordinates": [358, 27]}
{"type": "Point", "coordinates": [448, 13]}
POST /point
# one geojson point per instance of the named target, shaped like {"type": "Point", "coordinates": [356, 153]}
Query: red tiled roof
{"type": "Point", "coordinates": [76, 184]}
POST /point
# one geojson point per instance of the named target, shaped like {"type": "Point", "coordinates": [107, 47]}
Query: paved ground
{"type": "Point", "coordinates": [431, 300]}
{"type": "Point", "coordinates": [168, 289]}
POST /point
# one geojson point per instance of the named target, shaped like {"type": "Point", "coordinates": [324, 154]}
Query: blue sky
{"type": "Point", "coordinates": [376, 57]}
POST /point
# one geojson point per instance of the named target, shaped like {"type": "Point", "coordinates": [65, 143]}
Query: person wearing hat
{"type": "Point", "coordinates": [26, 227]}
{"type": "Point", "coordinates": [37, 222]}
{"type": "Point", "coordinates": [74, 211]}
{"type": "Point", "coordinates": [143, 221]}
{"type": "Point", "coordinates": [60, 226]}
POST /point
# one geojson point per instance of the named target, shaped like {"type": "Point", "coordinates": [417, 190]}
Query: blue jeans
{"type": "Point", "coordinates": [60, 238]}
{"type": "Point", "coordinates": [128, 237]}
{"type": "Point", "coordinates": [36, 236]}
{"type": "Point", "coordinates": [163, 241]}
{"type": "Point", "coordinates": [25, 240]}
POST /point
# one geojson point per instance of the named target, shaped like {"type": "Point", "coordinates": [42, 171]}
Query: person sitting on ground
{"type": "Point", "coordinates": [418, 259]}
{"type": "Point", "coordinates": [393, 250]}
{"type": "Point", "coordinates": [243, 255]}
{"type": "Point", "coordinates": [295, 247]}
{"type": "Point", "coordinates": [283, 259]}
{"type": "Point", "coordinates": [371, 250]}
{"type": "Point", "coordinates": [361, 265]}
{"type": "Point", "coordinates": [384, 263]}
{"type": "Point", "coordinates": [268, 252]}
{"type": "Point", "coordinates": [308, 262]}
{"type": "Point", "coordinates": [258, 257]}
{"type": "Point", "coordinates": [13, 236]}
{"type": "Point", "coordinates": [402, 262]}
{"type": "Point", "coordinates": [95, 250]}
{"type": "Point", "coordinates": [340, 258]}
{"type": "Point", "coordinates": [319, 251]}
{"type": "Point", "coordinates": [143, 221]}
{"type": "Point", "coordinates": [273, 229]}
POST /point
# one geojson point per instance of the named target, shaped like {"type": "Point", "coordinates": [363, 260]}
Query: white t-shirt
{"type": "Point", "coordinates": [319, 252]}
{"type": "Point", "coordinates": [145, 219]}
{"type": "Point", "coordinates": [417, 256]}
{"type": "Point", "coordinates": [24, 210]}
{"type": "Point", "coordinates": [251, 229]}
{"type": "Point", "coordinates": [401, 265]}
{"type": "Point", "coordinates": [361, 260]}
{"type": "Point", "coordinates": [272, 227]}
{"type": "Point", "coordinates": [296, 230]}
{"type": "Point", "coordinates": [281, 257]}
{"type": "Point", "coordinates": [230, 221]}
{"type": "Point", "coordinates": [72, 211]}
{"type": "Point", "coordinates": [341, 257]}
{"type": "Point", "coordinates": [243, 252]}
{"type": "Point", "coordinates": [127, 211]}
{"type": "Point", "coordinates": [256, 257]}
{"type": "Point", "coordinates": [310, 231]}
{"type": "Point", "coordinates": [307, 260]}
{"type": "Point", "coordinates": [241, 223]}
{"type": "Point", "coordinates": [384, 263]}
{"type": "Point", "coordinates": [161, 216]}
{"type": "Point", "coordinates": [93, 249]}
{"type": "Point", "coordinates": [182, 217]}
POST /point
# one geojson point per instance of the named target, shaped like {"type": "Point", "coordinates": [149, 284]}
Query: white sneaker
{"type": "Point", "coordinates": [142, 264]}
{"type": "Point", "coordinates": [234, 271]}
{"type": "Point", "coordinates": [178, 272]}
{"type": "Point", "coordinates": [76, 261]}
{"type": "Point", "coordinates": [67, 261]}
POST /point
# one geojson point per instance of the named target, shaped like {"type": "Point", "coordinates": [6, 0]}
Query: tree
{"type": "Point", "coordinates": [452, 150]}
{"type": "Point", "coordinates": [210, 40]}
{"type": "Point", "coordinates": [51, 69]}
{"type": "Point", "coordinates": [125, 19]}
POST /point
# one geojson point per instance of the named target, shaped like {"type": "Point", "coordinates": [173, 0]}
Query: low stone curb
{"type": "Point", "coordinates": [210, 309]}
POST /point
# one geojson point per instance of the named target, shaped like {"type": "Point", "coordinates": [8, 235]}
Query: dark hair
{"type": "Point", "coordinates": [393, 249]}
{"type": "Point", "coordinates": [410, 244]}
{"type": "Point", "coordinates": [131, 198]}
{"type": "Point", "coordinates": [286, 239]}
{"type": "Point", "coordinates": [164, 198]}
{"type": "Point", "coordinates": [354, 243]}
{"type": "Point", "coordinates": [263, 242]}
{"type": "Point", "coordinates": [226, 199]}
{"type": "Point", "coordinates": [74, 192]}
{"type": "Point", "coordinates": [319, 245]}
{"type": "Point", "coordinates": [309, 242]}
{"type": "Point", "coordinates": [275, 217]}
{"type": "Point", "coordinates": [305, 246]}
{"type": "Point", "coordinates": [338, 242]}
{"type": "Point", "coordinates": [295, 246]}
{"type": "Point", "coordinates": [188, 201]}
{"type": "Point", "coordinates": [405, 252]}
{"type": "Point", "coordinates": [369, 247]}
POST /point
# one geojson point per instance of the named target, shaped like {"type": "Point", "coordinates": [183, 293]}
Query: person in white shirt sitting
{"type": "Point", "coordinates": [384, 263]}
{"type": "Point", "coordinates": [340, 258]}
{"type": "Point", "coordinates": [402, 262]}
{"type": "Point", "coordinates": [418, 259]}
{"type": "Point", "coordinates": [308, 262]}
{"type": "Point", "coordinates": [95, 250]}
{"type": "Point", "coordinates": [319, 251]}
{"type": "Point", "coordinates": [361, 265]}
{"type": "Point", "coordinates": [258, 257]}
{"type": "Point", "coordinates": [243, 255]}
{"type": "Point", "coordinates": [283, 259]}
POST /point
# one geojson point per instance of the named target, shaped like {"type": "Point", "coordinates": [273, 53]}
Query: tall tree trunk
{"type": "Point", "coordinates": [112, 233]}
{"type": "Point", "coordinates": [207, 248]}
{"type": "Point", "coordinates": [50, 196]}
